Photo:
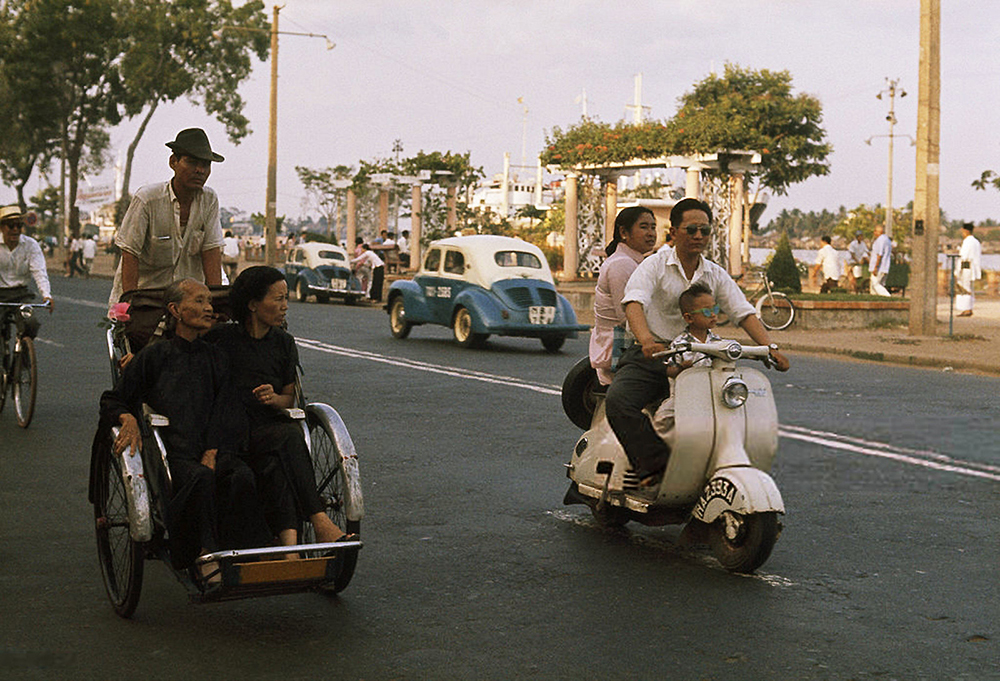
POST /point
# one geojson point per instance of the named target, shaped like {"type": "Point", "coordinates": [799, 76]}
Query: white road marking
{"type": "Point", "coordinates": [85, 303]}
{"type": "Point", "coordinates": [46, 341]}
{"type": "Point", "coordinates": [924, 458]}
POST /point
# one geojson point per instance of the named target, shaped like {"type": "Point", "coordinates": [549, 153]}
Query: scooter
{"type": "Point", "coordinates": [717, 480]}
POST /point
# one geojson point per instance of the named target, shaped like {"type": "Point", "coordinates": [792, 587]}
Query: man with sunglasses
{"type": "Point", "coordinates": [21, 260]}
{"type": "Point", "coordinates": [652, 307]}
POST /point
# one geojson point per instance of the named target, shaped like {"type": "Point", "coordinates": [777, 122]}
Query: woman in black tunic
{"type": "Point", "coordinates": [264, 359]}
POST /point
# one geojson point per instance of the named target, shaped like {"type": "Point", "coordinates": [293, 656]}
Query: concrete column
{"type": "Point", "coordinates": [926, 218]}
{"type": "Point", "coordinates": [352, 220]}
{"type": "Point", "coordinates": [571, 245]}
{"type": "Point", "coordinates": [383, 209]}
{"type": "Point", "coordinates": [415, 218]}
{"type": "Point", "coordinates": [610, 207]}
{"type": "Point", "coordinates": [505, 197]}
{"type": "Point", "coordinates": [692, 189]}
{"type": "Point", "coordinates": [452, 220]}
{"type": "Point", "coordinates": [735, 224]}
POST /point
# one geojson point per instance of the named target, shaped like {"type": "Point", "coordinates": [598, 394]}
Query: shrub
{"type": "Point", "coordinates": [783, 271]}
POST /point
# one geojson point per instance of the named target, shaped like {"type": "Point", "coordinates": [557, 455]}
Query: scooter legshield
{"type": "Point", "coordinates": [742, 490]}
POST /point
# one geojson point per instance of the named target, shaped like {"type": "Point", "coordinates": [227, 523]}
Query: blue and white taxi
{"type": "Point", "coordinates": [482, 285]}
{"type": "Point", "coordinates": [321, 270]}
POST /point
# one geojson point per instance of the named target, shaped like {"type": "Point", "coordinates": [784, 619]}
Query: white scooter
{"type": "Point", "coordinates": [723, 443]}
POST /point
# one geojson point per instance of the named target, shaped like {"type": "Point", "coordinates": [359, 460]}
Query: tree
{"type": "Point", "coordinates": [987, 179]}
{"type": "Point", "coordinates": [170, 51]}
{"type": "Point", "coordinates": [782, 270]}
{"type": "Point", "coordinates": [67, 60]}
{"type": "Point", "coordinates": [327, 189]}
{"type": "Point", "coordinates": [754, 110]}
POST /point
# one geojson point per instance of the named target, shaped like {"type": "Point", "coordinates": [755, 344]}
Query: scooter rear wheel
{"type": "Point", "coordinates": [743, 542]}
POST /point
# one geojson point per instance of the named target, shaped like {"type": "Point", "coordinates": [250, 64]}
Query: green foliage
{"type": "Point", "coordinates": [987, 179]}
{"type": "Point", "coordinates": [782, 270]}
{"type": "Point", "coordinates": [327, 189]}
{"type": "Point", "coordinates": [755, 110]}
{"type": "Point", "coordinates": [591, 142]}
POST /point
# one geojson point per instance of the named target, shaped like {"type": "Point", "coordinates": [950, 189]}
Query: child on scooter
{"type": "Point", "coordinates": [699, 310]}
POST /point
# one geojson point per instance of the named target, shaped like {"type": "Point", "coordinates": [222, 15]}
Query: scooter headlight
{"type": "Point", "coordinates": [734, 393]}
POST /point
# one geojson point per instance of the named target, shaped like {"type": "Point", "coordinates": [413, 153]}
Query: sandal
{"type": "Point", "coordinates": [650, 481]}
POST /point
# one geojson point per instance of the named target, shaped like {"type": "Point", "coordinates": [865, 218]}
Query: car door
{"type": "Point", "coordinates": [433, 287]}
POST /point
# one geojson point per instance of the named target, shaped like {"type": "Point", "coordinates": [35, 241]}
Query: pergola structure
{"type": "Point", "coordinates": [735, 163]}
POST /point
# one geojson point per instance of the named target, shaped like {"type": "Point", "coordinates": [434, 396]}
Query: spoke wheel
{"type": "Point", "coordinates": [397, 318]}
{"type": "Point", "coordinates": [776, 311]}
{"type": "Point", "coordinates": [25, 382]}
{"type": "Point", "coordinates": [121, 558]}
{"type": "Point", "coordinates": [332, 484]}
{"type": "Point", "coordinates": [4, 385]}
{"type": "Point", "coordinates": [743, 542]}
{"type": "Point", "coordinates": [461, 327]}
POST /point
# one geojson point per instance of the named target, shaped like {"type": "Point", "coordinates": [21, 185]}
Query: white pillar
{"type": "Point", "coordinates": [571, 249]}
{"type": "Point", "coordinates": [735, 224]}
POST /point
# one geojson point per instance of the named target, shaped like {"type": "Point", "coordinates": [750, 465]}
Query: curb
{"type": "Point", "coordinates": [892, 358]}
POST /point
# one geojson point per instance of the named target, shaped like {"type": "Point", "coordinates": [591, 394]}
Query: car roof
{"type": "Point", "coordinates": [479, 250]}
{"type": "Point", "coordinates": [317, 246]}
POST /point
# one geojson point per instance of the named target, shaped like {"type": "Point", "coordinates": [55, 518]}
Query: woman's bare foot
{"type": "Point", "coordinates": [325, 529]}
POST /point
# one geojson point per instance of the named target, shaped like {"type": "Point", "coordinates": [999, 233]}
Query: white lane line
{"type": "Point", "coordinates": [426, 366]}
{"type": "Point", "coordinates": [46, 341]}
{"type": "Point", "coordinates": [924, 458]}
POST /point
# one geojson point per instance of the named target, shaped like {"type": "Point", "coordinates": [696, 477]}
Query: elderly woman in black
{"type": "Point", "coordinates": [264, 359]}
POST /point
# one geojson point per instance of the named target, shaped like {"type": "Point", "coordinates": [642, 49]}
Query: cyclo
{"type": "Point", "coordinates": [129, 493]}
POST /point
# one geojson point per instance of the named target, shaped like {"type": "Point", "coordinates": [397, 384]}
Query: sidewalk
{"type": "Point", "coordinates": [973, 347]}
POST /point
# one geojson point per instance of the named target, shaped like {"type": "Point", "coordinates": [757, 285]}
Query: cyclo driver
{"type": "Point", "coordinates": [654, 317]}
{"type": "Point", "coordinates": [21, 259]}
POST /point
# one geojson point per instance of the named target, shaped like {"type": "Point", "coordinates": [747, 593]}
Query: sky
{"type": "Point", "coordinates": [447, 76]}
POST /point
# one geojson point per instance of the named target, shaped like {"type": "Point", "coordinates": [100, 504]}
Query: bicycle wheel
{"type": "Point", "coordinates": [775, 310]}
{"type": "Point", "coordinates": [25, 382]}
{"type": "Point", "coordinates": [121, 558]}
{"type": "Point", "coordinates": [338, 483]}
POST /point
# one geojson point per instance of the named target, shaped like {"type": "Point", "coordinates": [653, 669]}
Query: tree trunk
{"type": "Point", "coordinates": [130, 154]}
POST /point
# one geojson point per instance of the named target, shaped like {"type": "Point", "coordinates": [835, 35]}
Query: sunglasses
{"type": "Point", "coordinates": [693, 229]}
{"type": "Point", "coordinates": [707, 311]}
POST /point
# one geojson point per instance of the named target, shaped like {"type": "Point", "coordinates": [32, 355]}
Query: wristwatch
{"type": "Point", "coordinates": [773, 347]}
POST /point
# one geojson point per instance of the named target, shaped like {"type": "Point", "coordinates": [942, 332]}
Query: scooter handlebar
{"type": "Point", "coordinates": [728, 349]}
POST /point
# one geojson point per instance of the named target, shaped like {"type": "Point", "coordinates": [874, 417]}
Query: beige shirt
{"type": "Point", "coordinates": [151, 231]}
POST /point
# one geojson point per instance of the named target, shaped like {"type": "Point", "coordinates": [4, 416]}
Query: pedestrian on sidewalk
{"type": "Point", "coordinates": [89, 251]}
{"type": "Point", "coordinates": [827, 261]}
{"type": "Point", "coordinates": [857, 256]}
{"type": "Point", "coordinates": [968, 271]}
{"type": "Point", "coordinates": [880, 259]}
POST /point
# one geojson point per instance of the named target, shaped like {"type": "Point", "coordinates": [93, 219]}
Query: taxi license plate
{"type": "Point", "coordinates": [338, 284]}
{"type": "Point", "coordinates": [541, 314]}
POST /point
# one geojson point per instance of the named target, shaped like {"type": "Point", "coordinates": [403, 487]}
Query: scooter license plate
{"type": "Point", "coordinates": [541, 314]}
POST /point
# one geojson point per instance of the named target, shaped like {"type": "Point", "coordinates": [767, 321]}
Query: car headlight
{"type": "Point", "coordinates": [734, 393]}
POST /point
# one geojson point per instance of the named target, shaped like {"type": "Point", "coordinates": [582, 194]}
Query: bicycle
{"type": "Point", "coordinates": [19, 368]}
{"type": "Point", "coordinates": [775, 309]}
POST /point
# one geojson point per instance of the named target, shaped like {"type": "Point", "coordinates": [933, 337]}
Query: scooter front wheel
{"type": "Point", "coordinates": [743, 542]}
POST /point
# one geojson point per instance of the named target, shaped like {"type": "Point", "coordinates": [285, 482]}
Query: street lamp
{"type": "Point", "coordinates": [891, 89]}
{"type": "Point", "coordinates": [270, 219]}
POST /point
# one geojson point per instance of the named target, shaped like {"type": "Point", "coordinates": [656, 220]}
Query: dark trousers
{"type": "Point", "coordinates": [637, 382]}
{"type": "Point", "coordinates": [378, 276]}
{"type": "Point", "coordinates": [213, 509]}
{"type": "Point", "coordinates": [21, 294]}
{"type": "Point", "coordinates": [282, 441]}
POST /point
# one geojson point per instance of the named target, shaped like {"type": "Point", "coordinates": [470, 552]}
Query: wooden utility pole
{"type": "Point", "coordinates": [926, 213]}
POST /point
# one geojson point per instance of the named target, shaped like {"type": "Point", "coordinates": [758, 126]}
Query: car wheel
{"type": "Point", "coordinates": [397, 319]}
{"type": "Point", "coordinates": [461, 326]}
{"type": "Point", "coordinates": [553, 343]}
{"type": "Point", "coordinates": [322, 298]}
{"type": "Point", "coordinates": [302, 290]}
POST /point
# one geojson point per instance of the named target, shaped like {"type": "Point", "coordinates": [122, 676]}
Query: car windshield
{"type": "Point", "coordinates": [332, 255]}
{"type": "Point", "coordinates": [517, 259]}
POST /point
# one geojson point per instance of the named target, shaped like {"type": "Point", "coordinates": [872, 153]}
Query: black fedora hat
{"type": "Point", "coordinates": [194, 142]}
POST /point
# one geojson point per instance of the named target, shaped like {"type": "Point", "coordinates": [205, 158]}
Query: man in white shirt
{"type": "Point", "coordinates": [827, 261]}
{"type": "Point", "coordinates": [880, 260]}
{"type": "Point", "coordinates": [404, 248]}
{"type": "Point", "coordinates": [374, 264]}
{"type": "Point", "coordinates": [230, 254]}
{"type": "Point", "coordinates": [21, 261]}
{"type": "Point", "coordinates": [969, 270]}
{"type": "Point", "coordinates": [857, 256]}
{"type": "Point", "coordinates": [172, 229]}
{"type": "Point", "coordinates": [89, 251]}
{"type": "Point", "coordinates": [652, 307]}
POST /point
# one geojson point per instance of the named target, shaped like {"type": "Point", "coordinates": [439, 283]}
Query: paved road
{"type": "Point", "coordinates": [888, 567]}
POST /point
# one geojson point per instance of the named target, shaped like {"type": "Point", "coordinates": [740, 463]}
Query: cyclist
{"type": "Point", "coordinates": [171, 229]}
{"type": "Point", "coordinates": [21, 259]}
{"type": "Point", "coordinates": [651, 303]}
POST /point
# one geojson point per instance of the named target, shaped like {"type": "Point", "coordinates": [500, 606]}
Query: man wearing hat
{"type": "Point", "coordinates": [21, 259]}
{"type": "Point", "coordinates": [857, 256]}
{"type": "Point", "coordinates": [171, 229]}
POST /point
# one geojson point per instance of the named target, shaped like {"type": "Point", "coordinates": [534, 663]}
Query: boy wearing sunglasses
{"type": "Point", "coordinates": [652, 306]}
{"type": "Point", "coordinates": [700, 310]}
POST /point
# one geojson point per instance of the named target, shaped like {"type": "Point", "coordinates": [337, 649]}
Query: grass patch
{"type": "Point", "coordinates": [962, 337]}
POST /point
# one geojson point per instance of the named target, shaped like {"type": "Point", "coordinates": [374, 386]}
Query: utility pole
{"type": "Point", "coordinates": [636, 107]}
{"type": "Point", "coordinates": [926, 211]}
{"type": "Point", "coordinates": [892, 88]}
{"type": "Point", "coordinates": [271, 207]}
